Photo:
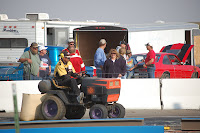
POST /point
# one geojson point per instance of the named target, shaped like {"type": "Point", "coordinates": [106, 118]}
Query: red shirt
{"type": "Point", "coordinates": [77, 63]}
{"type": "Point", "coordinates": [77, 52]}
{"type": "Point", "coordinates": [150, 55]}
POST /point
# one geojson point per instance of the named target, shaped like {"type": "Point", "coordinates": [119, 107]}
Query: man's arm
{"type": "Point", "coordinates": [22, 60]}
{"type": "Point", "coordinates": [25, 57]}
{"type": "Point", "coordinates": [149, 62]}
{"type": "Point", "coordinates": [98, 60]}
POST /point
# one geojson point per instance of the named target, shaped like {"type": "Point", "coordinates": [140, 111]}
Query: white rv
{"type": "Point", "coordinates": [17, 34]}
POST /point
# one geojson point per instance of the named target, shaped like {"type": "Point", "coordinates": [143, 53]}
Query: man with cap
{"type": "Point", "coordinates": [123, 44]}
{"type": "Point", "coordinates": [45, 65]}
{"type": "Point", "coordinates": [64, 73]}
{"type": "Point", "coordinates": [76, 61]}
{"type": "Point", "coordinates": [131, 64]}
{"type": "Point", "coordinates": [71, 44]}
{"type": "Point", "coordinates": [31, 62]}
{"type": "Point", "coordinates": [150, 61]}
{"type": "Point", "coordinates": [100, 57]}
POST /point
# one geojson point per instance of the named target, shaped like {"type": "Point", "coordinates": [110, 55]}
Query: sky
{"type": "Point", "coordinates": [123, 11]}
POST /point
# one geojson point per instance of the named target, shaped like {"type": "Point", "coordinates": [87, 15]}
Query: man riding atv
{"type": "Point", "coordinates": [64, 74]}
{"type": "Point", "coordinates": [62, 94]}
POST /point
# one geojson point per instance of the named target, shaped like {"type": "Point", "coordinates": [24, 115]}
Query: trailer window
{"type": "Point", "coordinates": [13, 43]}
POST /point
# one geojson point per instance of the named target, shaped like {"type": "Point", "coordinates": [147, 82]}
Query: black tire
{"type": "Point", "coordinates": [53, 108]}
{"type": "Point", "coordinates": [194, 75]}
{"type": "Point", "coordinates": [98, 111]}
{"type": "Point", "coordinates": [165, 76]}
{"type": "Point", "coordinates": [75, 112]}
{"type": "Point", "coordinates": [118, 112]}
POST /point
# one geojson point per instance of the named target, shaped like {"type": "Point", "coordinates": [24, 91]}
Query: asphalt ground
{"type": "Point", "coordinates": [167, 118]}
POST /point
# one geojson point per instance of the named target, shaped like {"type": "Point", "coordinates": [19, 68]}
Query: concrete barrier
{"type": "Point", "coordinates": [181, 93]}
{"type": "Point", "coordinates": [6, 94]}
{"type": "Point", "coordinates": [140, 94]}
{"type": "Point", "coordinates": [135, 93]}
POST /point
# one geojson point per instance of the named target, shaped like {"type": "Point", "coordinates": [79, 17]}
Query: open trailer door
{"type": "Point", "coordinates": [196, 39]}
{"type": "Point", "coordinates": [87, 40]}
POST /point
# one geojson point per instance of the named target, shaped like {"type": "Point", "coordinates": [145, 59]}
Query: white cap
{"type": "Point", "coordinates": [70, 40]}
{"type": "Point", "coordinates": [102, 41]}
{"type": "Point", "coordinates": [42, 48]}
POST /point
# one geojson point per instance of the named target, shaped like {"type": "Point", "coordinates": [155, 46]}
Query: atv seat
{"type": "Point", "coordinates": [55, 83]}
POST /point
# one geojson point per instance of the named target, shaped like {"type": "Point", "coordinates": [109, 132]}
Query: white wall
{"type": "Point", "coordinates": [6, 94]}
{"type": "Point", "coordinates": [181, 93]}
{"type": "Point", "coordinates": [140, 94]}
{"type": "Point", "coordinates": [135, 93]}
{"type": "Point", "coordinates": [158, 39]}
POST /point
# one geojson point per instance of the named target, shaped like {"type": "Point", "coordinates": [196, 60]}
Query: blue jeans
{"type": "Point", "coordinates": [99, 72]}
{"type": "Point", "coordinates": [123, 77]}
{"type": "Point", "coordinates": [151, 72]}
{"type": "Point", "coordinates": [26, 76]}
{"type": "Point", "coordinates": [129, 74]}
{"type": "Point", "coordinates": [33, 77]}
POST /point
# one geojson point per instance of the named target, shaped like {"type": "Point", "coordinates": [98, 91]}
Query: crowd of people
{"type": "Point", "coordinates": [119, 62]}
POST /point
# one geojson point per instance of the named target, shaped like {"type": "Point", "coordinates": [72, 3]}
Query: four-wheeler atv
{"type": "Point", "coordinates": [101, 95]}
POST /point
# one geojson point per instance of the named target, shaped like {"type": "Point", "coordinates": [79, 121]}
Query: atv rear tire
{"type": "Point", "coordinates": [117, 112]}
{"type": "Point", "coordinates": [53, 108]}
{"type": "Point", "coordinates": [98, 111]}
{"type": "Point", "coordinates": [75, 112]}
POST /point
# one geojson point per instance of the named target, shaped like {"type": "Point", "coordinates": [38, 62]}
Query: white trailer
{"type": "Point", "coordinates": [162, 34]}
{"type": "Point", "coordinates": [15, 35]}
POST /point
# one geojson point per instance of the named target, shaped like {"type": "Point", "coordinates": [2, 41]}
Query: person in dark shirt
{"type": "Point", "coordinates": [45, 64]}
{"type": "Point", "coordinates": [114, 66]}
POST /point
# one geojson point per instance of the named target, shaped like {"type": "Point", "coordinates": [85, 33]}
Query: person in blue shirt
{"type": "Point", "coordinates": [131, 64]}
{"type": "Point", "coordinates": [100, 57]}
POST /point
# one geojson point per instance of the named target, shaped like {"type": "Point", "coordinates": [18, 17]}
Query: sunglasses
{"type": "Point", "coordinates": [113, 53]}
{"type": "Point", "coordinates": [35, 47]}
{"type": "Point", "coordinates": [71, 44]}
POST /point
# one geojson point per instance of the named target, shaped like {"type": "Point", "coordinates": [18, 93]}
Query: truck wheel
{"type": "Point", "coordinates": [194, 75]}
{"type": "Point", "coordinates": [165, 76]}
{"type": "Point", "coordinates": [75, 112]}
{"type": "Point", "coordinates": [98, 111]}
{"type": "Point", "coordinates": [53, 108]}
{"type": "Point", "coordinates": [117, 112]}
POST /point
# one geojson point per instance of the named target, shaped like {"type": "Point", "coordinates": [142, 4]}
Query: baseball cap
{"type": "Point", "coordinates": [42, 48]}
{"type": "Point", "coordinates": [147, 44]}
{"type": "Point", "coordinates": [122, 42]}
{"type": "Point", "coordinates": [70, 40]}
{"type": "Point", "coordinates": [34, 44]}
{"type": "Point", "coordinates": [66, 54]}
{"type": "Point", "coordinates": [102, 41]}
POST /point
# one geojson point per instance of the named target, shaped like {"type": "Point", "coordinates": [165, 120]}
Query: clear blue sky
{"type": "Point", "coordinates": [123, 11]}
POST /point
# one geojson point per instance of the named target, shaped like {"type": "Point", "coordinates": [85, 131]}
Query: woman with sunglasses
{"type": "Point", "coordinates": [114, 66]}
